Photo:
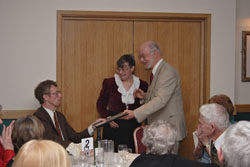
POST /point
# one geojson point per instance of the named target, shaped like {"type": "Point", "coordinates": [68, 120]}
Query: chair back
{"type": "Point", "coordinates": [139, 146]}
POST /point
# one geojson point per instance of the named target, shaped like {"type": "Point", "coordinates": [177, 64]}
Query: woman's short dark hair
{"type": "Point", "coordinates": [127, 58]}
{"type": "Point", "coordinates": [43, 88]}
{"type": "Point", "coordinates": [26, 129]}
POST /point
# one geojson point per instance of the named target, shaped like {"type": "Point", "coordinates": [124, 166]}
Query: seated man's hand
{"type": "Point", "coordinates": [138, 93]}
{"type": "Point", "coordinates": [99, 120]}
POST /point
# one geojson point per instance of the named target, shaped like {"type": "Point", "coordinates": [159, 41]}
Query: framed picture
{"type": "Point", "coordinates": [245, 56]}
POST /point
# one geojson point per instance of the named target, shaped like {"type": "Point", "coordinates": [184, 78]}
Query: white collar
{"type": "Point", "coordinates": [51, 114]}
{"type": "Point", "coordinates": [219, 141]}
{"type": "Point", "coordinates": [127, 96]}
{"type": "Point", "coordinates": [156, 66]}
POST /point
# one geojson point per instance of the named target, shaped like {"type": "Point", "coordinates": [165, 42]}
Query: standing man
{"type": "Point", "coordinates": [56, 126]}
{"type": "Point", "coordinates": [163, 100]}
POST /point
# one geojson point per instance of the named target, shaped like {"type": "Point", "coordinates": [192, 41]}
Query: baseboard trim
{"type": "Point", "coordinates": [242, 108]}
{"type": "Point", "coordinates": [14, 114]}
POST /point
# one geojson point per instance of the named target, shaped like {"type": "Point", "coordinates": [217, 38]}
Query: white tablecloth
{"type": "Point", "coordinates": [110, 160]}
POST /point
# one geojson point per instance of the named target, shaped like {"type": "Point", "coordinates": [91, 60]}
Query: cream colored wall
{"type": "Point", "coordinates": [242, 93]}
{"type": "Point", "coordinates": [28, 41]}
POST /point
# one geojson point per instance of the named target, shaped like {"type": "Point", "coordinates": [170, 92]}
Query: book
{"type": "Point", "coordinates": [109, 119]}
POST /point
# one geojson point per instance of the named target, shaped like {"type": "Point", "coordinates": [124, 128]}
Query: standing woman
{"type": "Point", "coordinates": [115, 97]}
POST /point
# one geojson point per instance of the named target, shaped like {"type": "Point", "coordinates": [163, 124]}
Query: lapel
{"type": "Point", "coordinates": [153, 84]}
{"type": "Point", "coordinates": [48, 118]}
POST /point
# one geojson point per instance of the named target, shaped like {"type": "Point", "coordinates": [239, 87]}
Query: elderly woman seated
{"type": "Point", "coordinates": [160, 138]}
{"type": "Point", "coordinates": [42, 153]}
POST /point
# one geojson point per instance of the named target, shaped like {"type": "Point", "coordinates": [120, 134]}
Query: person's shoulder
{"type": "Point", "coordinates": [168, 69]}
{"type": "Point", "coordinates": [39, 111]}
{"type": "Point", "coordinates": [112, 79]}
{"type": "Point", "coordinates": [167, 66]}
{"type": "Point", "coordinates": [109, 81]}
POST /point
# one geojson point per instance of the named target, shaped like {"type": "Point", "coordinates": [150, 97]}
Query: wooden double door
{"type": "Point", "coordinates": [90, 43]}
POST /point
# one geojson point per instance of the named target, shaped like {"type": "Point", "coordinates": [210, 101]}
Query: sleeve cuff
{"type": "Point", "coordinates": [91, 130]}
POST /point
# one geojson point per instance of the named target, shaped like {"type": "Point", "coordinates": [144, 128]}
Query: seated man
{"type": "Point", "coordinates": [55, 123]}
{"type": "Point", "coordinates": [235, 150]}
{"type": "Point", "coordinates": [213, 121]}
{"type": "Point", "coordinates": [162, 144]}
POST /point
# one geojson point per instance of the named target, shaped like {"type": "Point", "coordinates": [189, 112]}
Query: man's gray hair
{"type": "Point", "coordinates": [215, 114]}
{"type": "Point", "coordinates": [160, 138]}
{"type": "Point", "coordinates": [236, 145]}
{"type": "Point", "coordinates": [154, 47]}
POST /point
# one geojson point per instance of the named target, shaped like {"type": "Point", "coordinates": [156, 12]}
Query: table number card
{"type": "Point", "coordinates": [87, 144]}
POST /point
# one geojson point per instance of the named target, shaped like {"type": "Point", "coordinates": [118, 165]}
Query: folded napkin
{"type": "Point", "coordinates": [74, 149]}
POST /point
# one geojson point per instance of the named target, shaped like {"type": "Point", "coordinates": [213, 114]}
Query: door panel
{"type": "Point", "coordinates": [90, 52]}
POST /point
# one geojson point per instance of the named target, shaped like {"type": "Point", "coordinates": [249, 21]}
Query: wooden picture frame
{"type": "Point", "coordinates": [245, 56]}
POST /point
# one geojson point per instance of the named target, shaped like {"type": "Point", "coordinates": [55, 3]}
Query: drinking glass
{"type": "Point", "coordinates": [122, 150]}
{"type": "Point", "coordinates": [107, 145]}
{"type": "Point", "coordinates": [108, 149]}
{"type": "Point", "coordinates": [129, 150]}
{"type": "Point", "coordinates": [126, 157]}
{"type": "Point", "coordinates": [122, 147]}
{"type": "Point", "coordinates": [99, 157]}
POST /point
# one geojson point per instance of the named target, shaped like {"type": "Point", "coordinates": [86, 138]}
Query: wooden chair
{"type": "Point", "coordinates": [139, 146]}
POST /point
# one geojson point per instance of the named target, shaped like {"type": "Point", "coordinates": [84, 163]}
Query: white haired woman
{"type": "Point", "coordinates": [162, 144]}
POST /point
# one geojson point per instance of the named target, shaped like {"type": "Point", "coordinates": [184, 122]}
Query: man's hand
{"type": "Point", "coordinates": [203, 141]}
{"type": "Point", "coordinates": [5, 139]}
{"type": "Point", "coordinates": [130, 114]}
{"type": "Point", "coordinates": [138, 93]}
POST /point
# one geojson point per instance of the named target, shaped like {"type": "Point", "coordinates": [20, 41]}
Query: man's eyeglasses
{"type": "Point", "coordinates": [142, 56]}
{"type": "Point", "coordinates": [55, 93]}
